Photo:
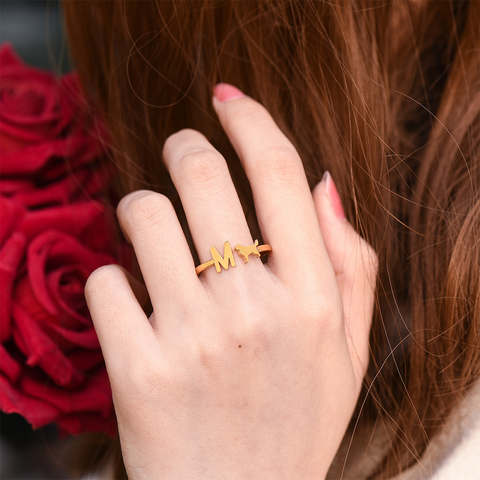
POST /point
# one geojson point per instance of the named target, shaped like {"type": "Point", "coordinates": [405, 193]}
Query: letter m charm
{"type": "Point", "coordinates": [223, 261]}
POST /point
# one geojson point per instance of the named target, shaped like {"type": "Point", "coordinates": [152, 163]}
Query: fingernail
{"type": "Point", "coordinates": [333, 196]}
{"type": "Point", "coordinates": [224, 92]}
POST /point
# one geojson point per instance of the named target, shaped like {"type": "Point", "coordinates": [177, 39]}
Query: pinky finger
{"type": "Point", "coordinates": [122, 327]}
{"type": "Point", "coordinates": [355, 264]}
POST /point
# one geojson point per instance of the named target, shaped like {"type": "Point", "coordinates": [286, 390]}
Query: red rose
{"type": "Point", "coordinates": [54, 232]}
{"type": "Point", "coordinates": [86, 221]}
{"type": "Point", "coordinates": [48, 143]}
{"type": "Point", "coordinates": [33, 104]}
{"type": "Point", "coordinates": [51, 364]}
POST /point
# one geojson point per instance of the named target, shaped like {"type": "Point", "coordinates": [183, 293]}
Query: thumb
{"type": "Point", "coordinates": [355, 264]}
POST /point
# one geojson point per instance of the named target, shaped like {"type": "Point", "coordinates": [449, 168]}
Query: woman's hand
{"type": "Point", "coordinates": [252, 372]}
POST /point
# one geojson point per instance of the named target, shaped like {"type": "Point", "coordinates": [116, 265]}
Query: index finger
{"type": "Point", "coordinates": [283, 201]}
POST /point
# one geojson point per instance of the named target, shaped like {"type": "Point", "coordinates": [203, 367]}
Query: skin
{"type": "Point", "coordinates": [253, 372]}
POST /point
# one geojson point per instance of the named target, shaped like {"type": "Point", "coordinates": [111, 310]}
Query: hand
{"type": "Point", "coordinates": [253, 372]}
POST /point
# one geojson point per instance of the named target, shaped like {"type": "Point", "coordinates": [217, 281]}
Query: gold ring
{"type": "Point", "coordinates": [228, 259]}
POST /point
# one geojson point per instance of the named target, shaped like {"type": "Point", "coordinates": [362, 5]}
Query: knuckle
{"type": "Point", "coordinates": [249, 329]}
{"type": "Point", "coordinates": [202, 166]}
{"type": "Point", "coordinates": [255, 331]}
{"type": "Point", "coordinates": [143, 374]}
{"type": "Point", "coordinates": [210, 354]}
{"type": "Point", "coordinates": [144, 209]}
{"type": "Point", "coordinates": [148, 367]}
{"type": "Point", "coordinates": [316, 308]}
{"type": "Point", "coordinates": [257, 334]}
{"type": "Point", "coordinates": [279, 165]}
{"type": "Point", "coordinates": [324, 311]}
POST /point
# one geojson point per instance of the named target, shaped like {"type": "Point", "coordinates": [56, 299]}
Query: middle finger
{"type": "Point", "coordinates": [283, 201]}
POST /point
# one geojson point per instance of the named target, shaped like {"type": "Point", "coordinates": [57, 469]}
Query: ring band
{"type": "Point", "coordinates": [228, 259]}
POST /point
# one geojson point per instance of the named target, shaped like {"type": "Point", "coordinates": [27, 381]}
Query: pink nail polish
{"type": "Point", "coordinates": [333, 196]}
{"type": "Point", "coordinates": [224, 92]}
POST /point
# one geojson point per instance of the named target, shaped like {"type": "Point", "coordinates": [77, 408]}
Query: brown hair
{"type": "Point", "coordinates": [386, 96]}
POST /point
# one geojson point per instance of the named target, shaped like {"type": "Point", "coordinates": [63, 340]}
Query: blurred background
{"type": "Point", "coordinates": [34, 28]}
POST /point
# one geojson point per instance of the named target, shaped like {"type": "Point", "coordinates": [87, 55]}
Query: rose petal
{"type": "Point", "coordinates": [9, 144]}
{"type": "Point", "coordinates": [13, 400]}
{"type": "Point", "coordinates": [74, 316]}
{"type": "Point", "coordinates": [29, 99]}
{"type": "Point", "coordinates": [22, 125]}
{"type": "Point", "coordinates": [90, 422]}
{"type": "Point", "coordinates": [37, 256]}
{"type": "Point", "coordinates": [12, 186]}
{"type": "Point", "coordinates": [66, 286]}
{"type": "Point", "coordinates": [31, 159]}
{"type": "Point", "coordinates": [35, 105]}
{"type": "Point", "coordinates": [8, 366]}
{"type": "Point", "coordinates": [87, 221]}
{"type": "Point", "coordinates": [83, 182]}
{"type": "Point", "coordinates": [49, 251]}
{"type": "Point", "coordinates": [18, 81]}
{"type": "Point", "coordinates": [12, 216]}
{"type": "Point", "coordinates": [25, 114]}
{"type": "Point", "coordinates": [81, 149]}
{"type": "Point", "coordinates": [65, 249]}
{"type": "Point", "coordinates": [68, 339]}
{"type": "Point", "coordinates": [86, 360]}
{"type": "Point", "coordinates": [94, 396]}
{"type": "Point", "coordinates": [42, 351]}
{"type": "Point", "coordinates": [26, 298]}
{"type": "Point", "coordinates": [11, 255]}
{"type": "Point", "coordinates": [59, 193]}
{"type": "Point", "coordinates": [68, 282]}
{"type": "Point", "coordinates": [22, 101]}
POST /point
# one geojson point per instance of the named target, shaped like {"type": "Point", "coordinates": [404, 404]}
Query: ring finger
{"type": "Point", "coordinates": [212, 207]}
